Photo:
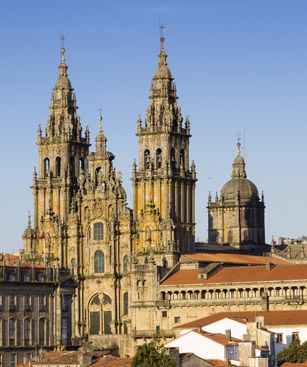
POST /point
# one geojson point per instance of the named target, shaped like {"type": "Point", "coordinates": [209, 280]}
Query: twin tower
{"type": "Point", "coordinates": [80, 204]}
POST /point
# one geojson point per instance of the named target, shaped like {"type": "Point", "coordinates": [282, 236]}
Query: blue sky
{"type": "Point", "coordinates": [238, 65]}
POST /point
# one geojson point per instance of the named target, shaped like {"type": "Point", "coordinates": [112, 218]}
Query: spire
{"type": "Point", "coordinates": [238, 166]}
{"type": "Point", "coordinates": [63, 122]}
{"type": "Point", "coordinates": [101, 140]}
{"type": "Point", "coordinates": [163, 110]}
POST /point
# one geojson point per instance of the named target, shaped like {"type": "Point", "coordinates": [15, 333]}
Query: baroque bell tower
{"type": "Point", "coordinates": [164, 181]}
{"type": "Point", "coordinates": [63, 155]}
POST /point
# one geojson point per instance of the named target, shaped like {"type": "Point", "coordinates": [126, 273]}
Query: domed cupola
{"type": "Point", "coordinates": [236, 217]}
{"type": "Point", "coordinates": [239, 185]}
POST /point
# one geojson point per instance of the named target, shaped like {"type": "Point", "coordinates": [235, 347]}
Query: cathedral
{"type": "Point", "coordinates": [138, 271]}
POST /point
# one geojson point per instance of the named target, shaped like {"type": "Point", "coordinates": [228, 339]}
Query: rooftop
{"type": "Point", "coordinates": [271, 318]}
{"type": "Point", "coordinates": [239, 274]}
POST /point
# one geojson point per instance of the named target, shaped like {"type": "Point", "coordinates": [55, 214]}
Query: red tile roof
{"type": "Point", "coordinates": [235, 258]}
{"type": "Point", "coordinates": [304, 364]}
{"type": "Point", "coordinates": [271, 318]}
{"type": "Point", "coordinates": [111, 361]}
{"type": "Point", "coordinates": [218, 338]}
{"type": "Point", "coordinates": [240, 274]}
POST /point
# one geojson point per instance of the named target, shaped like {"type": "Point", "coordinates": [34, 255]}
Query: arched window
{"type": "Point", "coordinates": [245, 235]}
{"type": "Point", "coordinates": [72, 166]}
{"type": "Point", "coordinates": [147, 159]}
{"type": "Point", "coordinates": [181, 156]}
{"type": "Point", "coordinates": [58, 166]}
{"type": "Point", "coordinates": [125, 301]}
{"type": "Point", "coordinates": [173, 158]}
{"type": "Point", "coordinates": [100, 309]}
{"type": "Point", "coordinates": [98, 231]}
{"type": "Point", "coordinates": [46, 167]}
{"type": "Point", "coordinates": [26, 332]}
{"type": "Point", "coordinates": [99, 262]}
{"type": "Point", "coordinates": [159, 158]}
{"type": "Point", "coordinates": [125, 264]}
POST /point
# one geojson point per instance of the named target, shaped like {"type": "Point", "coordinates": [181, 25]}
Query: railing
{"type": "Point", "coordinates": [152, 334]}
{"type": "Point", "coordinates": [299, 299]}
{"type": "Point", "coordinates": [163, 303]}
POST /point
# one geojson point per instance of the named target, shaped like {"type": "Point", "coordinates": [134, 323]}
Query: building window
{"type": "Point", "coordinates": [12, 304]}
{"type": "Point", "coordinates": [159, 158]}
{"type": "Point", "coordinates": [65, 303]}
{"type": "Point", "coordinates": [232, 293]}
{"type": "Point", "coordinates": [94, 322]}
{"type": "Point", "coordinates": [46, 167]}
{"type": "Point", "coordinates": [177, 319]}
{"type": "Point", "coordinates": [164, 313]}
{"type": "Point", "coordinates": [181, 157]}
{"type": "Point", "coordinates": [126, 306]}
{"type": "Point", "coordinates": [125, 264]}
{"type": "Point", "coordinates": [279, 338]}
{"type": "Point", "coordinates": [13, 360]}
{"type": "Point", "coordinates": [42, 303]}
{"type": "Point", "coordinates": [12, 331]}
{"type": "Point", "coordinates": [173, 158]}
{"type": "Point", "coordinates": [41, 331]}
{"type": "Point", "coordinates": [98, 231]}
{"type": "Point", "coordinates": [4, 333]}
{"type": "Point", "coordinates": [99, 262]}
{"type": "Point", "coordinates": [26, 332]}
{"type": "Point", "coordinates": [58, 166]}
{"type": "Point", "coordinates": [147, 159]}
{"type": "Point", "coordinates": [64, 329]}
{"type": "Point", "coordinates": [295, 336]}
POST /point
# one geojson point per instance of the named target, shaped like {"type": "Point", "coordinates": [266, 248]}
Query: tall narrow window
{"type": "Point", "coordinates": [58, 166]}
{"type": "Point", "coordinates": [41, 331]}
{"type": "Point", "coordinates": [159, 158]}
{"type": "Point", "coordinates": [13, 360]}
{"type": "Point", "coordinates": [46, 167]}
{"type": "Point", "coordinates": [125, 264]}
{"type": "Point", "coordinates": [81, 164]}
{"type": "Point", "coordinates": [147, 159]}
{"type": "Point", "coordinates": [12, 331]}
{"type": "Point", "coordinates": [181, 156]}
{"type": "Point", "coordinates": [125, 299]}
{"type": "Point", "coordinates": [98, 231]}
{"type": "Point", "coordinates": [64, 329]}
{"type": "Point", "coordinates": [99, 262]}
{"type": "Point", "coordinates": [26, 332]}
{"type": "Point", "coordinates": [72, 166]}
{"type": "Point", "coordinates": [173, 158]}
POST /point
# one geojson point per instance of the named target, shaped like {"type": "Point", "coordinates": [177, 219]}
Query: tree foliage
{"type": "Point", "coordinates": [295, 353]}
{"type": "Point", "coordinates": [152, 354]}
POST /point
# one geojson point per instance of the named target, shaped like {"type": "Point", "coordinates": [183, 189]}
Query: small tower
{"type": "Point", "coordinates": [164, 181]}
{"type": "Point", "coordinates": [236, 217]}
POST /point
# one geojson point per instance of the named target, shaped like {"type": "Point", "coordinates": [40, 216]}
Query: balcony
{"type": "Point", "coordinates": [152, 334]}
{"type": "Point", "coordinates": [163, 303]}
{"type": "Point", "coordinates": [295, 299]}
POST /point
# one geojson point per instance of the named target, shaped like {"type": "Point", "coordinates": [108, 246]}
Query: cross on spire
{"type": "Point", "coordinates": [162, 28]}
{"type": "Point", "coordinates": [62, 40]}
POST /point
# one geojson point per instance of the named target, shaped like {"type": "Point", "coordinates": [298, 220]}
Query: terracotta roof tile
{"type": "Point", "coordinates": [304, 364]}
{"type": "Point", "coordinates": [235, 258]}
{"type": "Point", "coordinates": [111, 361]}
{"type": "Point", "coordinates": [270, 318]}
{"type": "Point", "coordinates": [240, 274]}
{"type": "Point", "coordinates": [218, 338]}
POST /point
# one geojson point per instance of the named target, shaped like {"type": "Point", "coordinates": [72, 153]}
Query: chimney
{"type": "Point", "coordinates": [269, 266]}
{"type": "Point", "coordinates": [228, 334]}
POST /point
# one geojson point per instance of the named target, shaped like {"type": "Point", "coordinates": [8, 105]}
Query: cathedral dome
{"type": "Point", "coordinates": [246, 188]}
{"type": "Point", "coordinates": [239, 184]}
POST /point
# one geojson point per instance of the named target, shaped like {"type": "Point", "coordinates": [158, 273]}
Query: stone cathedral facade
{"type": "Point", "coordinates": [136, 270]}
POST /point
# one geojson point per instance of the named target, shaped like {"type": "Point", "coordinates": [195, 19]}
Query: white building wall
{"type": "Point", "coordinates": [286, 331]}
{"type": "Point", "coordinates": [203, 347]}
{"type": "Point", "coordinates": [238, 329]}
